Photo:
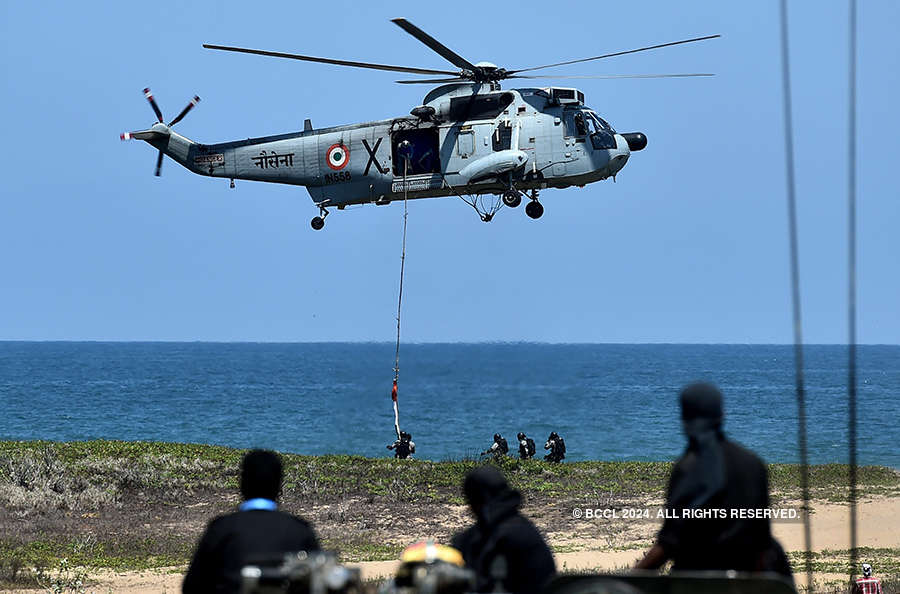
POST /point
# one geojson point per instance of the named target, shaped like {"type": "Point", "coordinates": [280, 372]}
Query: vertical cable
{"type": "Point", "coordinates": [851, 283]}
{"type": "Point", "coordinates": [400, 301]}
{"type": "Point", "coordinates": [795, 292]}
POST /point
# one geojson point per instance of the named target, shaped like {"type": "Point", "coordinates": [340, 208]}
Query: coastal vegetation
{"type": "Point", "coordinates": [137, 505]}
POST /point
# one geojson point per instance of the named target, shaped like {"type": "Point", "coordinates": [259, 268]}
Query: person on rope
{"type": "Point", "coordinates": [499, 448]}
{"type": "Point", "coordinates": [867, 584]}
{"type": "Point", "coordinates": [710, 485]}
{"type": "Point", "coordinates": [527, 448]}
{"type": "Point", "coordinates": [404, 446]}
{"type": "Point", "coordinates": [557, 447]}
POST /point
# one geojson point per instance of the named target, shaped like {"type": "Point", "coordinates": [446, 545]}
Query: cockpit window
{"type": "Point", "coordinates": [599, 123]}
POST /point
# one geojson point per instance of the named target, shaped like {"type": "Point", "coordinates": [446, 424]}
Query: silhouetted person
{"type": "Point", "coordinates": [867, 584]}
{"type": "Point", "coordinates": [256, 532]}
{"type": "Point", "coordinates": [557, 447]}
{"type": "Point", "coordinates": [404, 447]}
{"type": "Point", "coordinates": [527, 448]}
{"type": "Point", "coordinates": [715, 474]}
{"type": "Point", "coordinates": [503, 548]}
{"type": "Point", "coordinates": [499, 448]}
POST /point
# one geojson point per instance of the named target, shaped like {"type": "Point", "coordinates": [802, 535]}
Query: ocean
{"type": "Point", "coordinates": [609, 402]}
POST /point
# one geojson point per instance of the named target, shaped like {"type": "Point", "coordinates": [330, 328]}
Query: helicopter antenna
{"type": "Point", "coordinates": [851, 284]}
{"type": "Point", "coordinates": [795, 293]}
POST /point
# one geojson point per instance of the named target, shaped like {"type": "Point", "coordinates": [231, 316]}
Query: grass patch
{"type": "Point", "coordinates": [141, 505]}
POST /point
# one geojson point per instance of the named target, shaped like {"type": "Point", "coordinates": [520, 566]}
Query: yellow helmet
{"type": "Point", "coordinates": [427, 551]}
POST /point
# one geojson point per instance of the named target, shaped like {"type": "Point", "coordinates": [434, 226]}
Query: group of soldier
{"type": "Point", "coordinates": [404, 447]}
{"type": "Point", "coordinates": [555, 444]}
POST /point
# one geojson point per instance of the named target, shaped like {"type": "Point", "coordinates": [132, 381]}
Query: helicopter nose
{"type": "Point", "coordinates": [619, 155]}
{"type": "Point", "coordinates": [636, 140]}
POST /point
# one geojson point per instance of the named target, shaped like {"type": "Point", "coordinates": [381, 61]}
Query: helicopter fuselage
{"type": "Point", "coordinates": [463, 140]}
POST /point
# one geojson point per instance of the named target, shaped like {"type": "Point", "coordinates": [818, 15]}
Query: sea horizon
{"type": "Point", "coordinates": [610, 401]}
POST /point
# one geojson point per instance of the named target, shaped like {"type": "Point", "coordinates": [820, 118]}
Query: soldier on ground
{"type": "Point", "coordinates": [527, 448]}
{"type": "Point", "coordinates": [557, 447]}
{"type": "Point", "coordinates": [499, 448]}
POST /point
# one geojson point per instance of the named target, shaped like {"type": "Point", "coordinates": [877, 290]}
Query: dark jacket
{"type": "Point", "coordinates": [721, 543]}
{"type": "Point", "coordinates": [243, 537]}
{"type": "Point", "coordinates": [501, 533]}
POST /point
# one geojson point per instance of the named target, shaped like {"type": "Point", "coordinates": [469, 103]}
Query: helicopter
{"type": "Point", "coordinates": [468, 138]}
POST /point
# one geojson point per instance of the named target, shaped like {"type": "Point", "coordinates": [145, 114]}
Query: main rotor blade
{"type": "Point", "coordinates": [184, 111]}
{"type": "Point", "coordinates": [159, 161]}
{"type": "Point", "coordinates": [634, 51]}
{"type": "Point", "coordinates": [406, 69]}
{"type": "Point", "coordinates": [429, 81]}
{"type": "Point", "coordinates": [434, 44]}
{"type": "Point", "coordinates": [153, 104]}
{"type": "Point", "coordinates": [614, 76]}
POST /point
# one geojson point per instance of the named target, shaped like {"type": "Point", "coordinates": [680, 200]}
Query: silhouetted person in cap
{"type": "Point", "coordinates": [257, 532]}
{"type": "Point", "coordinates": [503, 548]}
{"type": "Point", "coordinates": [713, 477]}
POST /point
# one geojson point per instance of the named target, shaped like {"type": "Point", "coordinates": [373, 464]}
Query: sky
{"type": "Point", "coordinates": [690, 244]}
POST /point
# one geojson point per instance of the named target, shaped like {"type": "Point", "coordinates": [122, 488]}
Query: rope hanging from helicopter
{"type": "Point", "coordinates": [394, 389]}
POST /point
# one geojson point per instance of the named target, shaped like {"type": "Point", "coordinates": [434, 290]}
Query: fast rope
{"type": "Point", "coordinates": [400, 300]}
{"type": "Point", "coordinates": [851, 284]}
{"type": "Point", "coordinates": [795, 293]}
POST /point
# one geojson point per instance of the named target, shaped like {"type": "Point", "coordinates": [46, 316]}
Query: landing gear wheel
{"type": "Point", "coordinates": [317, 223]}
{"type": "Point", "coordinates": [534, 209]}
{"type": "Point", "coordinates": [512, 198]}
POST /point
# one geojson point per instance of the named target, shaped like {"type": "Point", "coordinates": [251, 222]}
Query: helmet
{"type": "Point", "coordinates": [496, 436]}
{"type": "Point", "coordinates": [427, 551]}
{"type": "Point", "coordinates": [520, 436]}
{"type": "Point", "coordinates": [867, 570]}
{"type": "Point", "coordinates": [431, 567]}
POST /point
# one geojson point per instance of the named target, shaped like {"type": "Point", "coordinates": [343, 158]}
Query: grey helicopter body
{"type": "Point", "coordinates": [468, 138]}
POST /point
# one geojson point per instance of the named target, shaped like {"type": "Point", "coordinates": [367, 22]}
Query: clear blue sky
{"type": "Point", "coordinates": [690, 245]}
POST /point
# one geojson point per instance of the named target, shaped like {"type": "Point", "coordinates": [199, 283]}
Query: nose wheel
{"type": "Point", "coordinates": [512, 198]}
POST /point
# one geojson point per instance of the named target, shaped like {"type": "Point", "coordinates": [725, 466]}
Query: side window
{"type": "Point", "coordinates": [465, 142]}
{"type": "Point", "coordinates": [421, 148]}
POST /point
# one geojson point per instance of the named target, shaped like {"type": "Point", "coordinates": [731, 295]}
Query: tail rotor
{"type": "Point", "coordinates": [160, 130]}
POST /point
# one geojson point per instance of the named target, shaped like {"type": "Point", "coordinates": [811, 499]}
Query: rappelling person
{"type": "Point", "coordinates": [404, 447]}
{"type": "Point", "coordinates": [557, 447]}
{"type": "Point", "coordinates": [527, 448]}
{"type": "Point", "coordinates": [499, 448]}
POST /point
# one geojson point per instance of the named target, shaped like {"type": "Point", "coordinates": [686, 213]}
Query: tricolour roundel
{"type": "Point", "coordinates": [337, 156]}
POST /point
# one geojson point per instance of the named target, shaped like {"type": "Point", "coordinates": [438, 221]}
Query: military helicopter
{"type": "Point", "coordinates": [469, 138]}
